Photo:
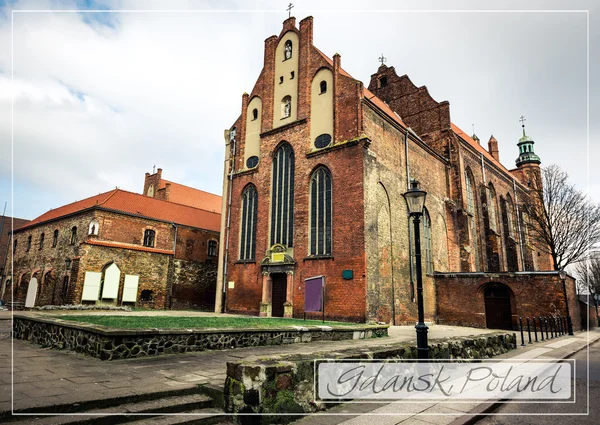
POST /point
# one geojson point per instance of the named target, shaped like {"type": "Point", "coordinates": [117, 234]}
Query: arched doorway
{"type": "Point", "coordinates": [31, 293]}
{"type": "Point", "coordinates": [498, 313]}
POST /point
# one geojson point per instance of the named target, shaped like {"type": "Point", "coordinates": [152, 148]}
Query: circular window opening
{"type": "Point", "coordinates": [323, 140]}
{"type": "Point", "coordinates": [252, 162]}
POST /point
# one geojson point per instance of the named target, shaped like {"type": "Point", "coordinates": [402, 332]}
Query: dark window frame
{"type": "Point", "coordinates": [282, 196]}
{"type": "Point", "coordinates": [321, 212]}
{"type": "Point", "coordinates": [149, 238]}
{"type": "Point", "coordinates": [212, 248]}
{"type": "Point", "coordinates": [248, 223]}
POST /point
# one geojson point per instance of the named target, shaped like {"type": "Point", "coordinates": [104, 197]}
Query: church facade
{"type": "Point", "coordinates": [315, 171]}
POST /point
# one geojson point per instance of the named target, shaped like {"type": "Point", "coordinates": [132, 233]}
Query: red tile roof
{"type": "Point", "coordinates": [134, 203]}
{"type": "Point", "coordinates": [383, 106]}
{"type": "Point", "coordinates": [127, 246]}
{"type": "Point", "coordinates": [196, 198]}
{"type": "Point", "coordinates": [477, 147]}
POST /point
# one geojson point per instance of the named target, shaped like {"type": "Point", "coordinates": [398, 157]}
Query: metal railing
{"type": "Point", "coordinates": [552, 326]}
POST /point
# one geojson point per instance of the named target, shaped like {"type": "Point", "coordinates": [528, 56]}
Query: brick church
{"type": "Point", "coordinates": [316, 168]}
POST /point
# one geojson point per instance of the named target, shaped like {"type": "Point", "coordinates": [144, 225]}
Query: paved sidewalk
{"type": "Point", "coordinates": [44, 377]}
{"type": "Point", "coordinates": [443, 413]}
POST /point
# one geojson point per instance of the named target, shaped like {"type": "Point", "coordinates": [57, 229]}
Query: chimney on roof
{"type": "Point", "coordinates": [493, 148]}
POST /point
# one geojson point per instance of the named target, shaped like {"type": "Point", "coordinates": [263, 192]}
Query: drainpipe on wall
{"type": "Point", "coordinates": [172, 267]}
{"type": "Point", "coordinates": [221, 290]}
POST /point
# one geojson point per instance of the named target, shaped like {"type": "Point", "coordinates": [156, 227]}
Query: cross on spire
{"type": "Point", "coordinates": [382, 59]}
{"type": "Point", "coordinates": [522, 120]}
{"type": "Point", "coordinates": [289, 9]}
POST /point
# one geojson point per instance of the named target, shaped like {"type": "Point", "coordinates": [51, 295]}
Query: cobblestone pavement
{"type": "Point", "coordinates": [44, 376]}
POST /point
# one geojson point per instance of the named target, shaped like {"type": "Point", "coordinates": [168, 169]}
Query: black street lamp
{"type": "Point", "coordinates": [415, 198]}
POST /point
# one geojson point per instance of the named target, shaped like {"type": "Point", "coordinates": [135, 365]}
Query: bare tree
{"type": "Point", "coordinates": [562, 220]}
{"type": "Point", "coordinates": [588, 273]}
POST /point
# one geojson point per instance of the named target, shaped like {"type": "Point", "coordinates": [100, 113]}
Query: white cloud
{"type": "Point", "coordinates": [96, 106]}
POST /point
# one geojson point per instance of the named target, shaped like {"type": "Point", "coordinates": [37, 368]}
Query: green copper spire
{"type": "Point", "coordinates": [526, 153]}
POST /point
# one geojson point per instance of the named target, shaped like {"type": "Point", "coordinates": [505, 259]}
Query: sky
{"type": "Point", "coordinates": [102, 98]}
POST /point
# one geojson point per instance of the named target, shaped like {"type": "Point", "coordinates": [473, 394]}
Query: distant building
{"type": "Point", "coordinates": [317, 164]}
{"type": "Point", "coordinates": [6, 225]}
{"type": "Point", "coordinates": [157, 187]}
{"type": "Point", "coordinates": [118, 248]}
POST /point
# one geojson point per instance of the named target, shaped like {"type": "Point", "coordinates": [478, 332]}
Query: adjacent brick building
{"type": "Point", "coordinates": [118, 248]}
{"type": "Point", "coordinates": [316, 168]}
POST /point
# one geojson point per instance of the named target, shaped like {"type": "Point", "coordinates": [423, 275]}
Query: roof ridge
{"type": "Point", "coordinates": [115, 190]}
{"type": "Point", "coordinates": [190, 187]}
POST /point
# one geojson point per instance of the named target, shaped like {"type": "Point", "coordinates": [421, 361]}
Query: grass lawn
{"type": "Point", "coordinates": [168, 322]}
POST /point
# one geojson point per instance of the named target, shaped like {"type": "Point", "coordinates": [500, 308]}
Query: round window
{"type": "Point", "coordinates": [252, 162]}
{"type": "Point", "coordinates": [322, 141]}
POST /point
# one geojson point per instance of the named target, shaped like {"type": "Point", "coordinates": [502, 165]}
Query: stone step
{"type": "Point", "coordinates": [209, 416]}
{"type": "Point", "coordinates": [121, 413]}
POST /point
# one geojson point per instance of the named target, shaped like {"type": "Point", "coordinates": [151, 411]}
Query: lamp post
{"type": "Point", "coordinates": [415, 199]}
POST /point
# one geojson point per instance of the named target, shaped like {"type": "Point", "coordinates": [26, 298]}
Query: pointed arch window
{"type": "Point", "coordinates": [492, 216]}
{"type": "Point", "coordinates": [320, 212]}
{"type": "Point", "coordinates": [472, 218]}
{"type": "Point", "coordinates": [282, 197]}
{"type": "Point", "coordinates": [73, 235]}
{"type": "Point", "coordinates": [427, 242]}
{"type": "Point", "coordinates": [248, 224]}
{"type": "Point", "coordinates": [323, 86]}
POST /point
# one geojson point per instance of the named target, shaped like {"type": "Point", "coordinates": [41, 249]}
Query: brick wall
{"type": "Point", "coordinates": [460, 297]}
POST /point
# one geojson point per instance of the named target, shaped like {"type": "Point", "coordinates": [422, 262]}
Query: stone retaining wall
{"type": "Point", "coordinates": [112, 344]}
{"type": "Point", "coordinates": [286, 384]}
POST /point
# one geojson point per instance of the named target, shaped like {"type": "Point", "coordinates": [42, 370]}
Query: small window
{"type": "Point", "coordinates": [64, 291]}
{"type": "Point", "coordinates": [42, 236]}
{"type": "Point", "coordinates": [212, 248]}
{"type": "Point", "coordinates": [146, 296]}
{"type": "Point", "coordinates": [292, 75]}
{"type": "Point", "coordinates": [149, 237]}
{"type": "Point", "coordinates": [28, 244]}
{"type": "Point", "coordinates": [323, 86]}
{"type": "Point", "coordinates": [323, 141]}
{"type": "Point", "coordinates": [382, 81]}
{"type": "Point", "coordinates": [254, 114]}
{"type": "Point", "coordinates": [286, 107]}
{"type": "Point", "coordinates": [287, 50]}
{"type": "Point", "coordinates": [8, 283]}
{"type": "Point", "coordinates": [252, 162]}
{"type": "Point", "coordinates": [55, 239]}
{"type": "Point", "coordinates": [281, 80]}
{"type": "Point", "coordinates": [73, 235]}
{"type": "Point", "coordinates": [14, 246]}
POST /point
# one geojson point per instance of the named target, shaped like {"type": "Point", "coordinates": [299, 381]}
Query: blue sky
{"type": "Point", "coordinates": [101, 98]}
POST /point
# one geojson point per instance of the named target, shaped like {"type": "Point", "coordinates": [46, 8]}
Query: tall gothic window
{"type": "Point", "coordinates": [28, 243]}
{"type": "Point", "coordinates": [42, 236]}
{"type": "Point", "coordinates": [427, 242]}
{"type": "Point", "coordinates": [472, 218]}
{"type": "Point", "coordinates": [491, 203]}
{"type": "Point", "coordinates": [510, 217]}
{"type": "Point", "coordinates": [55, 238]}
{"type": "Point", "coordinates": [282, 197]}
{"type": "Point", "coordinates": [320, 212]}
{"type": "Point", "coordinates": [73, 235]}
{"type": "Point", "coordinates": [248, 231]}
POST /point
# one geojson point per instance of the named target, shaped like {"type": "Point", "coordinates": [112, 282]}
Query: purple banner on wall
{"type": "Point", "coordinates": [313, 294]}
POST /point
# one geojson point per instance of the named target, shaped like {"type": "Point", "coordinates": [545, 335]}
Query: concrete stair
{"type": "Point", "coordinates": [185, 407]}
